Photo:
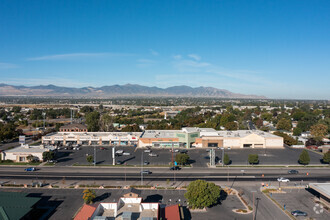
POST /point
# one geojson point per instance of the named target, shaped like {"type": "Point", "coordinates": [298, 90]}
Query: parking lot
{"type": "Point", "coordinates": [66, 202]}
{"type": "Point", "coordinates": [198, 157]}
{"type": "Point", "coordinates": [300, 199]}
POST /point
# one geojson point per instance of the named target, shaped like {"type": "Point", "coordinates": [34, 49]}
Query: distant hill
{"type": "Point", "coordinates": [128, 90]}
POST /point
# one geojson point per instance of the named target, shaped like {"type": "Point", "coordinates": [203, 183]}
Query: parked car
{"type": "Point", "coordinates": [153, 155]}
{"type": "Point", "coordinates": [146, 172]}
{"type": "Point", "coordinates": [175, 168]}
{"type": "Point", "coordinates": [30, 169]}
{"type": "Point", "coordinates": [283, 180]}
{"type": "Point", "coordinates": [298, 213]}
{"type": "Point", "coordinates": [119, 162]}
{"type": "Point", "coordinates": [52, 161]}
{"type": "Point", "coordinates": [146, 163]}
{"type": "Point", "coordinates": [126, 153]}
{"type": "Point", "coordinates": [293, 172]}
{"type": "Point", "coordinates": [119, 152]}
{"type": "Point", "coordinates": [183, 151]}
{"type": "Point", "coordinates": [147, 151]}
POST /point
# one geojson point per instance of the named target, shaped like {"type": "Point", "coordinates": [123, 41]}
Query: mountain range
{"type": "Point", "coordinates": [127, 90]}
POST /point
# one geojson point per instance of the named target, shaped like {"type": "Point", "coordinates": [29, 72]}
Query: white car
{"type": "Point", "coordinates": [283, 180]}
{"type": "Point", "coordinates": [119, 151]}
{"type": "Point", "coordinates": [153, 155]}
{"type": "Point", "coordinates": [126, 154]}
{"type": "Point", "coordinates": [147, 151]}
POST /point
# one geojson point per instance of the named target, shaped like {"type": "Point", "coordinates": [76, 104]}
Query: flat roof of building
{"type": "Point", "coordinates": [323, 188]}
{"type": "Point", "coordinates": [30, 149]}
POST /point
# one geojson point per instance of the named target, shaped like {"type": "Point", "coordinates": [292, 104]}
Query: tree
{"type": "Point", "coordinates": [297, 131]}
{"type": "Point", "coordinates": [182, 158]}
{"type": "Point", "coordinates": [304, 157]}
{"type": "Point", "coordinates": [284, 124]}
{"type": "Point", "coordinates": [231, 126]}
{"type": "Point", "coordinates": [131, 128]}
{"type": "Point", "coordinates": [202, 194]}
{"type": "Point", "coordinates": [48, 155]}
{"type": "Point", "coordinates": [90, 159]}
{"type": "Point", "coordinates": [92, 121]}
{"type": "Point", "coordinates": [226, 159]}
{"type": "Point", "coordinates": [86, 109]}
{"type": "Point", "coordinates": [326, 157]}
{"type": "Point", "coordinates": [89, 196]}
{"type": "Point", "coordinates": [253, 159]}
{"type": "Point", "coordinates": [288, 140]}
{"type": "Point", "coordinates": [319, 131]}
{"type": "Point", "coordinates": [17, 109]}
{"type": "Point", "coordinates": [30, 158]}
{"type": "Point", "coordinates": [225, 118]}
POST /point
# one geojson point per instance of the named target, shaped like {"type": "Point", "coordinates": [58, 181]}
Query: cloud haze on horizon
{"type": "Point", "coordinates": [277, 49]}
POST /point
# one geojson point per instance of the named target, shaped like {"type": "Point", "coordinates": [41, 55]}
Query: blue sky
{"type": "Point", "coordinates": [280, 49]}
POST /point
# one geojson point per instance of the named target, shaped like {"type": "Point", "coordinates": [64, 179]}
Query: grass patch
{"type": "Point", "coordinates": [17, 163]}
{"type": "Point", "coordinates": [112, 187]}
{"type": "Point", "coordinates": [89, 186]}
{"type": "Point", "coordinates": [100, 165]}
{"type": "Point", "coordinates": [268, 190]}
{"type": "Point", "coordinates": [49, 164]}
{"type": "Point", "coordinates": [13, 185]}
{"type": "Point", "coordinates": [140, 186]}
{"type": "Point", "coordinates": [300, 166]}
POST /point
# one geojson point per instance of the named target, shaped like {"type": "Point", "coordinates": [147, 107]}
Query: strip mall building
{"type": "Point", "coordinates": [184, 138]}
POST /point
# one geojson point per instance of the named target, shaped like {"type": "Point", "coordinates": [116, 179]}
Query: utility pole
{"type": "Point", "coordinates": [172, 154]}
{"type": "Point", "coordinates": [125, 174]}
{"type": "Point", "coordinates": [223, 155]}
{"type": "Point", "coordinates": [94, 155]}
{"type": "Point", "coordinates": [113, 156]}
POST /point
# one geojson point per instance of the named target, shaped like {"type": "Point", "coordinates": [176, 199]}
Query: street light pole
{"type": "Point", "coordinates": [94, 155]}
{"type": "Point", "coordinates": [142, 168]}
{"type": "Point", "coordinates": [223, 155]}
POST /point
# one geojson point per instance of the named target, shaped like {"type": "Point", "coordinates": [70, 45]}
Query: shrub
{"type": "Point", "coordinates": [253, 159]}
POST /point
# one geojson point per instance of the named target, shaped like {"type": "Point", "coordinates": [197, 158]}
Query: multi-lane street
{"type": "Point", "coordinates": [162, 174]}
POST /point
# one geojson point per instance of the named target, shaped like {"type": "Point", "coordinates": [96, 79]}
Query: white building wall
{"type": "Point", "coordinates": [232, 142]}
{"type": "Point", "coordinates": [274, 142]}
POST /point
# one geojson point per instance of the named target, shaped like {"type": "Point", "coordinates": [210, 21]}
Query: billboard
{"type": "Point", "coordinates": [21, 139]}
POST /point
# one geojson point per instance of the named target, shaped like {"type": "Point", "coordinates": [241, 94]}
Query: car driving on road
{"type": "Point", "coordinates": [283, 180]}
{"type": "Point", "coordinates": [30, 169]}
{"type": "Point", "coordinates": [153, 155]}
{"type": "Point", "coordinates": [175, 168]}
{"type": "Point", "coordinates": [293, 172]}
{"type": "Point", "coordinates": [146, 172]}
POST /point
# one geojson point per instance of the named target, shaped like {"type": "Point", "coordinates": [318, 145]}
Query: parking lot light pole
{"type": "Point", "coordinates": [253, 205]}
{"type": "Point", "coordinates": [223, 156]}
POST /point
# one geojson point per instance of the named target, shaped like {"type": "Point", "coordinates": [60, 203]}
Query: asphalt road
{"type": "Point", "coordinates": [162, 174]}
